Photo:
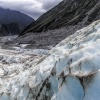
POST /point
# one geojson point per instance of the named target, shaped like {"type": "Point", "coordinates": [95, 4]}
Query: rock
{"type": "Point", "coordinates": [9, 29]}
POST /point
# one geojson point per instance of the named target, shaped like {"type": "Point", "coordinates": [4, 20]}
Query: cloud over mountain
{"type": "Point", "coordinates": [34, 8]}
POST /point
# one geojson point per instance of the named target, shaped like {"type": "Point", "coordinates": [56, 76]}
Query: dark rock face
{"type": "Point", "coordinates": [9, 29]}
{"type": "Point", "coordinates": [67, 13]}
{"type": "Point", "coordinates": [15, 20]}
{"type": "Point", "coordinates": [2, 30]}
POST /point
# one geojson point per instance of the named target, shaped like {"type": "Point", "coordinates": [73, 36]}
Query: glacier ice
{"type": "Point", "coordinates": [70, 71]}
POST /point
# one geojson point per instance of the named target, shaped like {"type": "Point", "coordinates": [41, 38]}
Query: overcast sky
{"type": "Point", "coordinates": [34, 8]}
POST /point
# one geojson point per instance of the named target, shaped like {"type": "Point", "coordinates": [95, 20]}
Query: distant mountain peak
{"type": "Point", "coordinates": [8, 16]}
{"type": "Point", "coordinates": [15, 16]}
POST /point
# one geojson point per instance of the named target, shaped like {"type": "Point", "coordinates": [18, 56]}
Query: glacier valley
{"type": "Point", "coordinates": [69, 71]}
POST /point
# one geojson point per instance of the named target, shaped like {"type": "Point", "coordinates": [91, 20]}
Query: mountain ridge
{"type": "Point", "coordinates": [15, 16]}
{"type": "Point", "coordinates": [65, 14]}
{"type": "Point", "coordinates": [8, 16]}
{"type": "Point", "coordinates": [61, 21]}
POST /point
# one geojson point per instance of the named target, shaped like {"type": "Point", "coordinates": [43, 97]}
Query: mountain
{"type": "Point", "coordinates": [9, 17]}
{"type": "Point", "coordinates": [9, 29]}
{"type": "Point", "coordinates": [70, 71]}
{"type": "Point", "coordinates": [67, 13]}
{"type": "Point", "coordinates": [60, 22]}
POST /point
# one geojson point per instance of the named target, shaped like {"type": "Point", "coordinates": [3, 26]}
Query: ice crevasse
{"type": "Point", "coordinates": [71, 71]}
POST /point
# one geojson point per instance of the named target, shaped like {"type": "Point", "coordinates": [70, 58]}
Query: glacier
{"type": "Point", "coordinates": [69, 71]}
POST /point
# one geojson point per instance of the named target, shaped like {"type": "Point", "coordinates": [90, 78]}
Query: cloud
{"type": "Point", "coordinates": [33, 8]}
{"type": "Point", "coordinates": [48, 4]}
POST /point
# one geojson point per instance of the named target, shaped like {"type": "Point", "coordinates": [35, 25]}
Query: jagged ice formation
{"type": "Point", "coordinates": [71, 71]}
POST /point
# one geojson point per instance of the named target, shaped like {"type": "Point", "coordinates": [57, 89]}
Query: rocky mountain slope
{"type": "Point", "coordinates": [60, 22]}
{"type": "Point", "coordinates": [70, 71]}
{"type": "Point", "coordinates": [9, 17]}
{"type": "Point", "coordinates": [67, 13]}
{"type": "Point", "coordinates": [9, 29]}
